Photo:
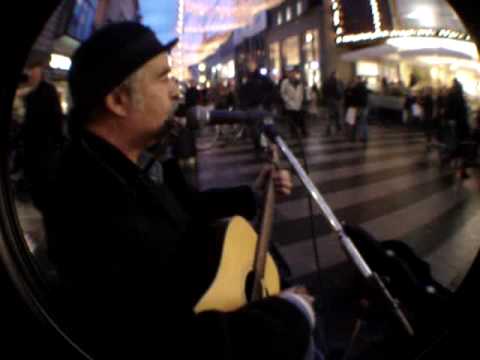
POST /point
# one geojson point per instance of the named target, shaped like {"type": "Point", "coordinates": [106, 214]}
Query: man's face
{"type": "Point", "coordinates": [251, 66]}
{"type": "Point", "coordinates": [158, 94]}
{"type": "Point", "coordinates": [34, 75]}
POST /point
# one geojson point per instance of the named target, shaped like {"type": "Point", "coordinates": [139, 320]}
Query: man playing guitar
{"type": "Point", "coordinates": [135, 256]}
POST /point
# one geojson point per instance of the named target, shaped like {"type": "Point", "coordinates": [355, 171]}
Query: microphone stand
{"type": "Point", "coordinates": [335, 224]}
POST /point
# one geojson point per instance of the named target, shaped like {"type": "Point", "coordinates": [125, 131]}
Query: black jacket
{"type": "Point", "coordinates": [332, 89]}
{"type": "Point", "coordinates": [258, 91]}
{"type": "Point", "coordinates": [359, 95]}
{"type": "Point", "coordinates": [42, 137]}
{"type": "Point", "coordinates": [134, 257]}
{"type": "Point", "coordinates": [457, 110]}
{"type": "Point", "coordinates": [43, 119]}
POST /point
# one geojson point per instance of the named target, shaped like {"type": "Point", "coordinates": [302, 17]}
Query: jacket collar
{"type": "Point", "coordinates": [110, 156]}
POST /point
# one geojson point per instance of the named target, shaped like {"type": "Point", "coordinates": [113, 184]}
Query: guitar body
{"type": "Point", "coordinates": [228, 289]}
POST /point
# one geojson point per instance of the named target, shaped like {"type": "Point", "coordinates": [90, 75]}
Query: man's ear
{"type": "Point", "coordinates": [117, 102]}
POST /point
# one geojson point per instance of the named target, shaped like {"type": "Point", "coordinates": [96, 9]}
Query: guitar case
{"type": "Point", "coordinates": [409, 279]}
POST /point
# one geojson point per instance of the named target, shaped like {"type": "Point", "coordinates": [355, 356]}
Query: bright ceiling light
{"type": "Point", "coordinates": [418, 43]}
{"type": "Point", "coordinates": [453, 63]}
{"type": "Point", "coordinates": [424, 15]}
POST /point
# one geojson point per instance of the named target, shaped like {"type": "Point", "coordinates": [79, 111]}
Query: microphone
{"type": "Point", "coordinates": [203, 117]}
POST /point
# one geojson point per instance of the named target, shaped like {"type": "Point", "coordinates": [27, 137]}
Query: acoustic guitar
{"type": "Point", "coordinates": [246, 271]}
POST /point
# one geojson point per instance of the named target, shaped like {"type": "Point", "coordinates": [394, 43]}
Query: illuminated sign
{"type": "Point", "coordinates": [60, 62]}
{"type": "Point", "coordinates": [369, 20]}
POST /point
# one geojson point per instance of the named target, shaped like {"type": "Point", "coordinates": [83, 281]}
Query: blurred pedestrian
{"type": "Point", "coordinates": [42, 130]}
{"type": "Point", "coordinates": [292, 93]}
{"type": "Point", "coordinates": [257, 92]}
{"type": "Point", "coordinates": [332, 94]}
{"type": "Point", "coordinates": [360, 102]}
{"type": "Point", "coordinates": [428, 108]}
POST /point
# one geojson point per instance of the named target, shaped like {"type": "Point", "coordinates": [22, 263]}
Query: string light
{"type": "Point", "coordinates": [246, 8]}
{"type": "Point", "coordinates": [370, 36]}
{"type": "Point", "coordinates": [378, 33]}
{"type": "Point", "coordinates": [216, 28]}
{"type": "Point", "coordinates": [179, 67]}
{"type": "Point", "coordinates": [377, 22]}
{"type": "Point", "coordinates": [336, 14]}
{"type": "Point", "coordinates": [336, 17]}
{"type": "Point", "coordinates": [204, 25]}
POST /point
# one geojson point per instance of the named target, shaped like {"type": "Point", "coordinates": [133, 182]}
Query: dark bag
{"type": "Point", "coordinates": [407, 277]}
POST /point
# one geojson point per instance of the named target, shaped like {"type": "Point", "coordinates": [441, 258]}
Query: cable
{"type": "Point", "coordinates": [326, 306]}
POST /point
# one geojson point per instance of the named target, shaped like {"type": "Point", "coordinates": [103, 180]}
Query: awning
{"type": "Point", "coordinates": [407, 48]}
{"type": "Point", "coordinates": [370, 53]}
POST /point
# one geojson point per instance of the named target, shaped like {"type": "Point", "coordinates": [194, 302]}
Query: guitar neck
{"type": "Point", "coordinates": [264, 240]}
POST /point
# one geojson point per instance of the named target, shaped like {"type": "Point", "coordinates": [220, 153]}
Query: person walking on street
{"type": "Point", "coordinates": [333, 93]}
{"type": "Point", "coordinates": [359, 98]}
{"type": "Point", "coordinates": [292, 92]}
{"type": "Point", "coordinates": [42, 130]}
{"type": "Point", "coordinates": [256, 93]}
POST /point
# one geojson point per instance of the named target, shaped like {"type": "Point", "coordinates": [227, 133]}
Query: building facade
{"type": "Point", "coordinates": [288, 35]}
{"type": "Point", "coordinates": [407, 42]}
{"type": "Point", "coordinates": [294, 39]}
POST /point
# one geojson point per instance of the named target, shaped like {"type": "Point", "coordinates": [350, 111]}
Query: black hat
{"type": "Point", "coordinates": [107, 58]}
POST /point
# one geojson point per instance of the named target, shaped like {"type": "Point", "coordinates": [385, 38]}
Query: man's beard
{"type": "Point", "coordinates": [166, 135]}
{"type": "Point", "coordinates": [166, 131]}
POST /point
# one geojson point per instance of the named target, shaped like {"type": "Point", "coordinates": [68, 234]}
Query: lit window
{"type": "Point", "coordinates": [299, 7]}
{"type": "Point", "coordinates": [279, 18]}
{"type": "Point", "coordinates": [288, 14]}
{"type": "Point", "coordinates": [308, 37]}
{"type": "Point", "coordinates": [367, 68]}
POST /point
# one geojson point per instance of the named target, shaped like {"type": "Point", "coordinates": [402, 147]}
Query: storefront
{"type": "Point", "coordinates": [223, 71]}
{"type": "Point", "coordinates": [429, 61]}
{"type": "Point", "coordinates": [409, 45]}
